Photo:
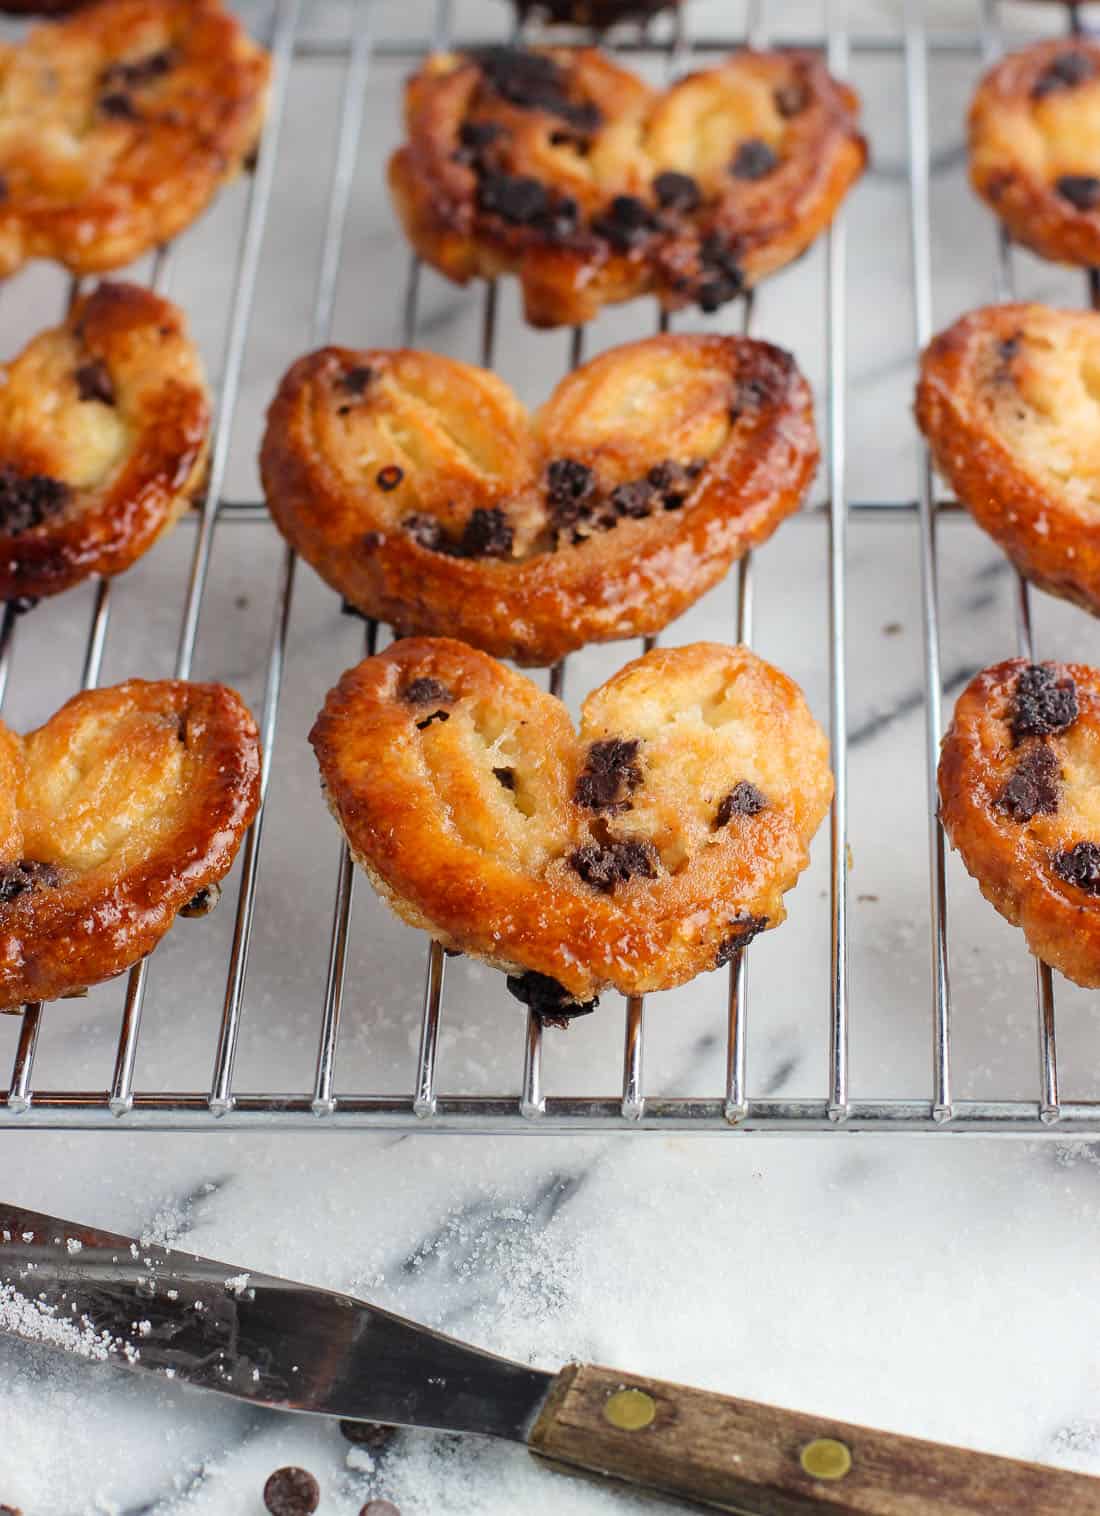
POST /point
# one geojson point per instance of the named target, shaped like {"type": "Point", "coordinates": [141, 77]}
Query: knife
{"type": "Point", "coordinates": [277, 1343]}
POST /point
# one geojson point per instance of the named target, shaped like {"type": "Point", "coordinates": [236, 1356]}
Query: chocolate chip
{"type": "Point", "coordinates": [610, 774]}
{"type": "Point", "coordinates": [202, 903]}
{"type": "Point", "coordinates": [119, 105]}
{"type": "Point", "coordinates": [354, 381]}
{"type": "Point", "coordinates": [754, 159]}
{"type": "Point", "coordinates": [140, 71]}
{"type": "Point", "coordinates": [743, 800]}
{"type": "Point", "coordinates": [560, 220]}
{"type": "Point", "coordinates": [1080, 865]}
{"type": "Point", "coordinates": [744, 931]}
{"type": "Point", "coordinates": [673, 481]}
{"type": "Point", "coordinates": [1066, 71]}
{"type": "Point", "coordinates": [27, 500]}
{"type": "Point", "coordinates": [371, 540]}
{"type": "Point", "coordinates": [424, 530]}
{"type": "Point", "coordinates": [625, 223]}
{"type": "Point", "coordinates": [368, 1434]}
{"type": "Point", "coordinates": [25, 876]}
{"type": "Point", "coordinates": [1009, 347]}
{"type": "Point", "coordinates": [570, 491]}
{"type": "Point", "coordinates": [93, 382]}
{"type": "Point", "coordinates": [550, 1001]}
{"type": "Point", "coordinates": [1043, 703]}
{"type": "Point", "coordinates": [721, 276]}
{"type": "Point", "coordinates": [440, 716]}
{"type": "Point", "coordinates": [534, 81]}
{"type": "Point", "coordinates": [487, 534]}
{"type": "Point", "coordinates": [424, 690]}
{"type": "Point", "coordinates": [506, 776]}
{"type": "Point", "coordinates": [389, 478]}
{"type": "Point", "coordinates": [791, 99]}
{"type": "Point", "coordinates": [292, 1492]}
{"type": "Point", "coordinates": [513, 198]}
{"type": "Point", "coordinates": [477, 135]}
{"type": "Point", "coordinates": [603, 865]}
{"type": "Point", "coordinates": [677, 192]}
{"type": "Point", "coordinates": [1081, 190]}
{"type": "Point", "coordinates": [1034, 786]}
{"type": "Point", "coordinates": [633, 499]}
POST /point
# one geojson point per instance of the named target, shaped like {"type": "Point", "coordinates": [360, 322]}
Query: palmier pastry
{"type": "Point", "coordinates": [649, 847]}
{"type": "Point", "coordinates": [1008, 401]}
{"type": "Point", "coordinates": [595, 13]}
{"type": "Point", "coordinates": [569, 171]}
{"type": "Point", "coordinates": [103, 439]}
{"type": "Point", "coordinates": [113, 816]}
{"type": "Point", "coordinates": [118, 125]}
{"type": "Point", "coordinates": [421, 490]}
{"type": "Point", "coordinates": [1019, 778]}
{"type": "Point", "coordinates": [1035, 147]}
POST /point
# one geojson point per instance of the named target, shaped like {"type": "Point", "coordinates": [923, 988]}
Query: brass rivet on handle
{"type": "Point", "coordinates": [826, 1458]}
{"type": "Point", "coordinates": [630, 1410]}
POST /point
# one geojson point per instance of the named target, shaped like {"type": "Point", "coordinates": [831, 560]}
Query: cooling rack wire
{"type": "Point", "coordinates": [221, 1105]}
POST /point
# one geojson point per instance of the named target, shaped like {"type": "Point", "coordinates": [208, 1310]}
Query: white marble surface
{"type": "Point", "coordinates": [941, 1287]}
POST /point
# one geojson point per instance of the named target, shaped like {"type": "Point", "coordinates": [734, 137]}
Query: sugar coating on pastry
{"type": "Point", "coordinates": [113, 816]}
{"type": "Point", "coordinates": [1019, 783]}
{"type": "Point", "coordinates": [1009, 399]}
{"type": "Point", "coordinates": [420, 488]}
{"type": "Point", "coordinates": [1034, 131]}
{"type": "Point", "coordinates": [570, 171]}
{"type": "Point", "coordinates": [104, 425]}
{"type": "Point", "coordinates": [117, 126]}
{"type": "Point", "coordinates": [652, 845]}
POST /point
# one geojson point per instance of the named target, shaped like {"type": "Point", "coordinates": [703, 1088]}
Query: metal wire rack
{"type": "Point", "coordinates": [733, 1108]}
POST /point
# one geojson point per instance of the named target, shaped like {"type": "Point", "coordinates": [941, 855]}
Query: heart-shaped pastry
{"type": "Point", "coordinates": [103, 439]}
{"type": "Point", "coordinates": [117, 126]}
{"type": "Point", "coordinates": [635, 854]}
{"type": "Point", "coordinates": [1019, 779]}
{"type": "Point", "coordinates": [564, 168]}
{"type": "Point", "coordinates": [1034, 140]}
{"type": "Point", "coordinates": [1009, 399]}
{"type": "Point", "coordinates": [420, 489]}
{"type": "Point", "coordinates": [115, 815]}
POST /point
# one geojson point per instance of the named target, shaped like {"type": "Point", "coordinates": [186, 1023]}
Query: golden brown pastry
{"type": "Point", "coordinates": [117, 126]}
{"type": "Point", "coordinates": [1007, 398]}
{"type": "Point", "coordinates": [1020, 799]}
{"type": "Point", "coordinates": [1034, 143]}
{"type": "Point", "coordinates": [420, 488]}
{"type": "Point", "coordinates": [636, 854]}
{"type": "Point", "coordinates": [104, 424]}
{"type": "Point", "coordinates": [113, 816]}
{"type": "Point", "coordinates": [569, 171]}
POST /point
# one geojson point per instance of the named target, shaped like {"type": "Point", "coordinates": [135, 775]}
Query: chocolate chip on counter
{"type": "Point", "coordinates": [27, 500]}
{"type": "Point", "coordinates": [487, 534]}
{"type": "Point", "coordinates": [603, 865]}
{"type": "Point", "coordinates": [1081, 190]}
{"type": "Point", "coordinates": [1043, 703]}
{"type": "Point", "coordinates": [354, 381]}
{"type": "Point", "coordinates": [1065, 71]}
{"type": "Point", "coordinates": [743, 800]}
{"type": "Point", "coordinates": [292, 1492]}
{"type": "Point", "coordinates": [1034, 788]}
{"type": "Point", "coordinates": [677, 192]}
{"type": "Point", "coordinates": [119, 105]}
{"type": "Point", "coordinates": [379, 1508]}
{"type": "Point", "coordinates": [202, 903]}
{"type": "Point", "coordinates": [26, 876]}
{"type": "Point", "coordinates": [550, 1001]}
{"type": "Point", "coordinates": [791, 99]}
{"type": "Point", "coordinates": [425, 690]}
{"type": "Point", "coordinates": [610, 774]}
{"type": "Point", "coordinates": [389, 478]}
{"type": "Point", "coordinates": [435, 716]}
{"type": "Point", "coordinates": [754, 159]}
{"type": "Point", "coordinates": [625, 223]}
{"type": "Point", "coordinates": [424, 530]}
{"type": "Point", "coordinates": [1080, 865]}
{"type": "Point", "coordinates": [373, 1435]}
{"type": "Point", "coordinates": [534, 82]}
{"type": "Point", "coordinates": [514, 198]}
{"type": "Point", "coordinates": [93, 382]}
{"type": "Point", "coordinates": [744, 931]}
{"type": "Point", "coordinates": [570, 489]}
{"type": "Point", "coordinates": [506, 776]}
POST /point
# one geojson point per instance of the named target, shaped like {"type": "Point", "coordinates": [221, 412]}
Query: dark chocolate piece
{"type": "Point", "coordinates": [506, 776]}
{"type": "Point", "coordinates": [603, 865]}
{"type": "Point", "coordinates": [425, 690]}
{"type": "Point", "coordinates": [1081, 190]}
{"type": "Point", "coordinates": [514, 198]}
{"type": "Point", "coordinates": [202, 903]}
{"type": "Point", "coordinates": [439, 716]}
{"type": "Point", "coordinates": [93, 382]}
{"type": "Point", "coordinates": [1080, 865]}
{"type": "Point", "coordinates": [570, 491]}
{"type": "Point", "coordinates": [1034, 788]}
{"type": "Point", "coordinates": [1043, 703]}
{"type": "Point", "coordinates": [610, 774]}
{"type": "Point", "coordinates": [625, 223]}
{"type": "Point", "coordinates": [754, 159]}
{"type": "Point", "coordinates": [27, 500]}
{"type": "Point", "coordinates": [118, 105]}
{"type": "Point", "coordinates": [1065, 71]}
{"type": "Point", "coordinates": [534, 82]}
{"type": "Point", "coordinates": [550, 1001]}
{"type": "Point", "coordinates": [139, 71]}
{"type": "Point", "coordinates": [677, 192]}
{"type": "Point", "coordinates": [354, 381]}
{"type": "Point", "coordinates": [743, 800]}
{"type": "Point", "coordinates": [487, 534]}
{"type": "Point", "coordinates": [744, 931]}
{"type": "Point", "coordinates": [721, 278]}
{"type": "Point", "coordinates": [28, 874]}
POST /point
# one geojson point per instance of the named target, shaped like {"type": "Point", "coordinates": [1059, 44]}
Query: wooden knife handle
{"type": "Point", "coordinates": [754, 1459]}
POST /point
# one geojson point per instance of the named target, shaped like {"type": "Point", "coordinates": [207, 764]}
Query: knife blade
{"type": "Point", "coordinates": [216, 1326]}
